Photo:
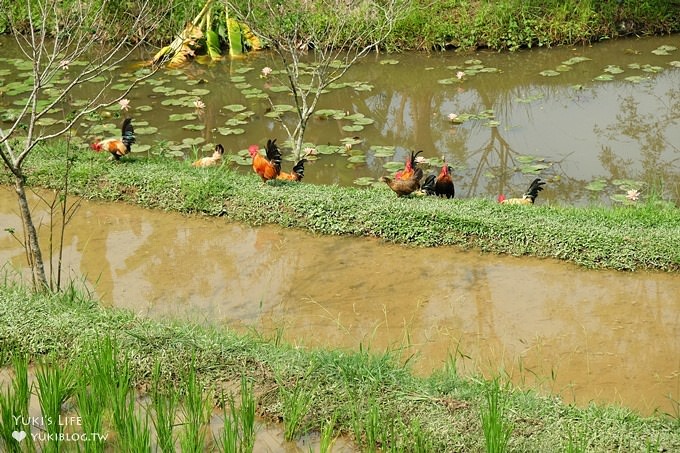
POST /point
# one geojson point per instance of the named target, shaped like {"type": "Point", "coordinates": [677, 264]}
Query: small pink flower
{"type": "Point", "coordinates": [63, 64]}
{"type": "Point", "coordinates": [124, 104]}
{"type": "Point", "coordinates": [453, 117]}
{"type": "Point", "coordinates": [633, 195]}
{"type": "Point", "coordinates": [199, 104]}
{"type": "Point", "coordinates": [266, 71]}
{"type": "Point", "coordinates": [460, 75]}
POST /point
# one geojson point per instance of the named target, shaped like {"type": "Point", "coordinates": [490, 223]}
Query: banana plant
{"type": "Point", "coordinates": [187, 43]}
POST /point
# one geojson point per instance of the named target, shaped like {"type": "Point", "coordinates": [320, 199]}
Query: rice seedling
{"type": "Point", "coordinates": [15, 427]}
{"type": "Point", "coordinates": [133, 431]}
{"type": "Point", "coordinates": [247, 415]}
{"type": "Point", "coordinates": [326, 439]}
{"type": "Point", "coordinates": [196, 410]}
{"type": "Point", "coordinates": [228, 441]}
{"type": "Point", "coordinates": [497, 430]}
{"type": "Point", "coordinates": [91, 411]}
{"type": "Point", "coordinates": [164, 405]}
{"type": "Point", "coordinates": [296, 403]}
{"type": "Point", "coordinates": [372, 425]}
{"type": "Point", "coordinates": [55, 385]}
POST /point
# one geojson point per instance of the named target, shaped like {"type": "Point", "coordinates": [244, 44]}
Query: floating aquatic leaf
{"type": "Point", "coordinates": [177, 153]}
{"type": "Point", "coordinates": [242, 86]}
{"type": "Point", "coordinates": [328, 149]}
{"type": "Point", "coordinates": [489, 70]}
{"type": "Point", "coordinates": [364, 181]}
{"type": "Point", "coordinates": [364, 121]}
{"type": "Point", "coordinates": [235, 107]}
{"type": "Point", "coordinates": [473, 62]}
{"type": "Point", "coordinates": [243, 70]}
{"type": "Point", "coordinates": [531, 98]}
{"type": "Point", "coordinates": [635, 79]}
{"type": "Point", "coordinates": [47, 122]}
{"type": "Point", "coordinates": [235, 122]}
{"type": "Point", "coordinates": [549, 73]}
{"type": "Point", "coordinates": [182, 117]}
{"type": "Point", "coordinates": [353, 128]}
{"type": "Point", "coordinates": [362, 86]}
{"type": "Point", "coordinates": [628, 184]}
{"type": "Point", "coordinates": [5, 72]}
{"type": "Point", "coordinates": [574, 60]}
{"type": "Point", "coordinates": [273, 114]}
{"type": "Point", "coordinates": [194, 127]}
{"type": "Point", "coordinates": [177, 92]}
{"type": "Point", "coordinates": [144, 108]}
{"type": "Point", "coordinates": [604, 77]}
{"type": "Point", "coordinates": [193, 141]}
{"type": "Point", "coordinates": [357, 158]}
{"type": "Point", "coordinates": [389, 61]}
{"type": "Point", "coordinates": [533, 168]}
{"type": "Point", "coordinates": [171, 101]}
{"type": "Point", "coordinates": [328, 113]}
{"type": "Point", "coordinates": [237, 79]}
{"type": "Point", "coordinates": [199, 92]}
{"type": "Point", "coordinates": [597, 186]}
{"type": "Point", "coordinates": [240, 160]}
{"type": "Point", "coordinates": [493, 123]}
{"type": "Point", "coordinates": [450, 81]}
{"type": "Point", "coordinates": [383, 151]}
{"type": "Point", "coordinates": [664, 50]}
{"type": "Point", "coordinates": [283, 108]}
{"type": "Point", "coordinates": [675, 63]}
{"type": "Point", "coordinates": [613, 69]}
{"type": "Point", "coordinates": [650, 68]}
{"type": "Point", "coordinates": [525, 159]}
{"type": "Point", "coordinates": [162, 89]}
{"type": "Point", "coordinates": [563, 68]}
{"type": "Point", "coordinates": [141, 148]}
{"type": "Point", "coordinates": [634, 66]}
{"type": "Point", "coordinates": [230, 131]}
{"type": "Point", "coordinates": [145, 130]}
{"type": "Point", "coordinates": [393, 166]}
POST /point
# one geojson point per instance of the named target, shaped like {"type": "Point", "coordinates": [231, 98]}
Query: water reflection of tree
{"type": "Point", "coordinates": [650, 131]}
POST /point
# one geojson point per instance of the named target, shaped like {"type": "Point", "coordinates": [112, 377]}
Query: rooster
{"type": "Point", "coordinates": [440, 185]}
{"type": "Point", "coordinates": [403, 187]}
{"type": "Point", "coordinates": [210, 161]}
{"type": "Point", "coordinates": [117, 147]}
{"type": "Point", "coordinates": [409, 168]}
{"type": "Point", "coordinates": [267, 167]}
{"type": "Point", "coordinates": [297, 174]}
{"type": "Point", "coordinates": [529, 196]}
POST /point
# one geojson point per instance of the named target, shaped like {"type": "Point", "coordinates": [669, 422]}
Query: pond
{"type": "Point", "coordinates": [594, 121]}
{"type": "Point", "coordinates": [586, 335]}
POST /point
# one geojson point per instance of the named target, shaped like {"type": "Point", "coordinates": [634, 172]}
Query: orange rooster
{"type": "Point", "coordinates": [529, 196]}
{"type": "Point", "coordinates": [409, 168]}
{"type": "Point", "coordinates": [403, 187]}
{"type": "Point", "coordinates": [117, 147]}
{"type": "Point", "coordinates": [297, 174]}
{"type": "Point", "coordinates": [267, 167]}
{"type": "Point", "coordinates": [210, 161]}
{"type": "Point", "coordinates": [440, 185]}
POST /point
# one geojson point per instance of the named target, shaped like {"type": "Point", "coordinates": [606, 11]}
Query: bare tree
{"type": "Point", "coordinates": [317, 42]}
{"type": "Point", "coordinates": [59, 34]}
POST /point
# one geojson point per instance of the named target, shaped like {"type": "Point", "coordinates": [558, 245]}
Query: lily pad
{"type": "Point", "coordinates": [357, 159]}
{"type": "Point", "coordinates": [597, 186]}
{"type": "Point", "coordinates": [604, 77]}
{"type": "Point", "coordinates": [549, 73]}
{"type": "Point", "coordinates": [383, 151]}
{"type": "Point", "coordinates": [230, 131]}
{"type": "Point", "coordinates": [193, 141]}
{"type": "Point", "coordinates": [279, 89]}
{"type": "Point", "coordinates": [182, 117]}
{"type": "Point", "coordinates": [574, 60]}
{"type": "Point", "coordinates": [47, 122]}
{"type": "Point", "coordinates": [393, 166]}
{"type": "Point", "coordinates": [353, 128]}
{"type": "Point", "coordinates": [389, 61]}
{"type": "Point", "coordinates": [364, 181]}
{"type": "Point", "coordinates": [613, 69]}
{"type": "Point", "coordinates": [635, 79]}
{"type": "Point", "coordinates": [145, 130]}
{"type": "Point", "coordinates": [141, 148]}
{"type": "Point", "coordinates": [235, 107]}
{"type": "Point", "coordinates": [328, 149]}
{"type": "Point", "coordinates": [194, 127]}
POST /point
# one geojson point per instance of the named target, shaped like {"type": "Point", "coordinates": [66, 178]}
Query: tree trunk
{"type": "Point", "coordinates": [33, 247]}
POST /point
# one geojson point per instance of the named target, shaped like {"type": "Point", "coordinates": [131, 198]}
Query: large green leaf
{"type": "Point", "coordinates": [234, 33]}
{"type": "Point", "coordinates": [212, 42]}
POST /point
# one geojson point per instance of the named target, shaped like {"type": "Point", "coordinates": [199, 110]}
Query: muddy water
{"type": "Point", "coordinates": [587, 335]}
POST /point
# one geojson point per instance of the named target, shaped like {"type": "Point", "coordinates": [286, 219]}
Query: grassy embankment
{"type": "Point", "coordinates": [459, 24]}
{"type": "Point", "coordinates": [91, 358]}
{"type": "Point", "coordinates": [645, 236]}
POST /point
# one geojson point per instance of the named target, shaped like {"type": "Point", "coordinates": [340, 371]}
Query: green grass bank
{"type": "Point", "coordinates": [448, 24]}
{"type": "Point", "coordinates": [370, 396]}
{"type": "Point", "coordinates": [645, 236]}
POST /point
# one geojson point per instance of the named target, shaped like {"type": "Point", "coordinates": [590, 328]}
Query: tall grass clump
{"type": "Point", "coordinates": [238, 430]}
{"type": "Point", "coordinates": [14, 404]}
{"type": "Point", "coordinates": [296, 403]}
{"type": "Point", "coordinates": [497, 428]}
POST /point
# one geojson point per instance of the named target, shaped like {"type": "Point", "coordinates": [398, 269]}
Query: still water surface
{"type": "Point", "coordinates": [542, 112]}
{"type": "Point", "coordinates": [587, 335]}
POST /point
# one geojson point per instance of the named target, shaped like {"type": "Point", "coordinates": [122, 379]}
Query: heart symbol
{"type": "Point", "coordinates": [19, 435]}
